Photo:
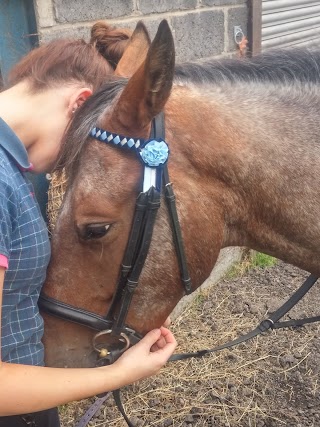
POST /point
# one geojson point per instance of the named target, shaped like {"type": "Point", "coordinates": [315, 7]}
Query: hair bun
{"type": "Point", "coordinates": [110, 41]}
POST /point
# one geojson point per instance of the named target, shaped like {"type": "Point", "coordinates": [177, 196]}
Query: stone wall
{"type": "Point", "coordinates": [201, 28]}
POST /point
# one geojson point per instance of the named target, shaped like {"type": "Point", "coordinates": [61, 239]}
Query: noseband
{"type": "Point", "coordinates": [153, 154]}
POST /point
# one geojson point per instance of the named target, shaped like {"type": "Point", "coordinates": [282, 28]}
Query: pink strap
{"type": "Point", "coordinates": [3, 261]}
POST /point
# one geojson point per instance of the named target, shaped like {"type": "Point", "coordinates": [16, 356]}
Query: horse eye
{"type": "Point", "coordinates": [94, 231]}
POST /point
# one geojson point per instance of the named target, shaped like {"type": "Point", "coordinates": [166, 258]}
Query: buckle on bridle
{"type": "Point", "coordinates": [103, 351]}
{"type": "Point", "coordinates": [266, 324]}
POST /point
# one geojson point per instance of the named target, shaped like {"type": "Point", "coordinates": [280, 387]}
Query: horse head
{"type": "Point", "coordinates": [96, 216]}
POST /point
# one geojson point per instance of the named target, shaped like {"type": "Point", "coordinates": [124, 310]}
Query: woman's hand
{"type": "Point", "coordinates": [148, 356]}
{"type": "Point", "coordinates": [167, 322]}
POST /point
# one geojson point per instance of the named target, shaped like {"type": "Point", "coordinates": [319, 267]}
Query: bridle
{"type": "Point", "coordinates": [154, 154]}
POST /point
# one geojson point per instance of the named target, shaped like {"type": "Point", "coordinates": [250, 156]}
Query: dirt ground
{"type": "Point", "coordinates": [272, 381]}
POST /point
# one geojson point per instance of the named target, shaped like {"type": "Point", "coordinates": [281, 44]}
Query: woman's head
{"type": "Point", "coordinates": [51, 82]}
{"type": "Point", "coordinates": [66, 61]}
{"type": "Point", "coordinates": [61, 62]}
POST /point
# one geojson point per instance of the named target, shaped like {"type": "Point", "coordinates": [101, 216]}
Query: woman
{"type": "Point", "coordinates": [45, 89]}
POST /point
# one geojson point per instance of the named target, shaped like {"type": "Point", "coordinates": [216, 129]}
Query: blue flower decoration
{"type": "Point", "coordinates": [155, 153]}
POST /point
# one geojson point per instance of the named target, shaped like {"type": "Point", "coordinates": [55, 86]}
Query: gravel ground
{"type": "Point", "coordinates": [269, 382]}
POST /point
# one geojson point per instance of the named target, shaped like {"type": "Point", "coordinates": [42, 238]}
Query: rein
{"type": "Point", "coordinates": [154, 154]}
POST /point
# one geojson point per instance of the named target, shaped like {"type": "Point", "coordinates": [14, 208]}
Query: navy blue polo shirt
{"type": "Point", "coordinates": [24, 252]}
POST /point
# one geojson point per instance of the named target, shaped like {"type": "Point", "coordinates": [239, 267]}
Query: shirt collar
{"type": "Point", "coordinates": [13, 145]}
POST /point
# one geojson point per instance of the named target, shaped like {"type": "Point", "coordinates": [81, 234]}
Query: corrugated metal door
{"type": "Point", "coordinates": [17, 24]}
{"type": "Point", "coordinates": [290, 22]}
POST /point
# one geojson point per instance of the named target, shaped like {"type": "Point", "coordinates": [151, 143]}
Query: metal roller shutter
{"type": "Point", "coordinates": [290, 22]}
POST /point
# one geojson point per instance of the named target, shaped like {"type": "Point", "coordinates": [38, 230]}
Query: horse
{"type": "Point", "coordinates": [244, 152]}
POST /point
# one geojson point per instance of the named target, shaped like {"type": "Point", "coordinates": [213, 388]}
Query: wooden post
{"type": "Point", "coordinates": [254, 26]}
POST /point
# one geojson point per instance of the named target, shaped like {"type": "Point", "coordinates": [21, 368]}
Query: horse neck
{"type": "Point", "coordinates": [246, 142]}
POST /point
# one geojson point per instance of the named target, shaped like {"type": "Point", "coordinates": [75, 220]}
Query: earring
{"type": "Point", "coordinates": [73, 111]}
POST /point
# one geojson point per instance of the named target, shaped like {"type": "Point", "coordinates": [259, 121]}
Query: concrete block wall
{"type": "Point", "coordinates": [201, 28]}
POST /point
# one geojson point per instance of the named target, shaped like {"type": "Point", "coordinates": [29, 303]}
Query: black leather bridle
{"type": "Point", "coordinates": [147, 205]}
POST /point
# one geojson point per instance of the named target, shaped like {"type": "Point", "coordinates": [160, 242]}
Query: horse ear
{"type": "Point", "coordinates": [149, 88]}
{"type": "Point", "coordinates": [135, 52]}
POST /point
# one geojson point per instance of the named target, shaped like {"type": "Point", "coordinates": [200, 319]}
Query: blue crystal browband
{"type": "Point", "coordinates": [153, 152]}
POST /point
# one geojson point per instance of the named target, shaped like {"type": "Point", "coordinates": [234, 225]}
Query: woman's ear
{"type": "Point", "coordinates": [77, 99]}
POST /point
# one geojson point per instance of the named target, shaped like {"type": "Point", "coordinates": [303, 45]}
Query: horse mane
{"type": "Point", "coordinates": [279, 66]}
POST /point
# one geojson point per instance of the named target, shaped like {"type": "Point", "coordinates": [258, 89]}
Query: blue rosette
{"type": "Point", "coordinates": [154, 153]}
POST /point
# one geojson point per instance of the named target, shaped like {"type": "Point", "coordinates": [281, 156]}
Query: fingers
{"type": "Point", "coordinates": [161, 343]}
{"type": "Point", "coordinates": [159, 340]}
{"type": "Point", "coordinates": [151, 338]}
{"type": "Point", "coordinates": [167, 322]}
{"type": "Point", "coordinates": [166, 342]}
{"type": "Point", "coordinates": [148, 356]}
{"type": "Point", "coordinates": [167, 335]}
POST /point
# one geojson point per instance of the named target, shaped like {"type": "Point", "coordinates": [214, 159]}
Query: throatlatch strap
{"type": "Point", "coordinates": [158, 131]}
{"type": "Point", "coordinates": [176, 231]}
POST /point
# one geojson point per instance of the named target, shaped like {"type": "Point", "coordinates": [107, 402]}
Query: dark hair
{"type": "Point", "coordinates": [66, 60]}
